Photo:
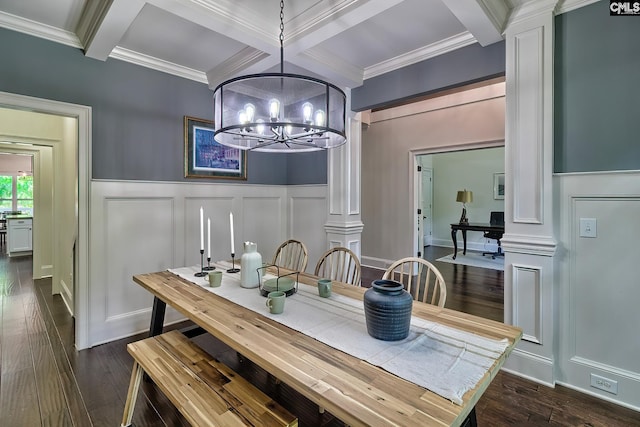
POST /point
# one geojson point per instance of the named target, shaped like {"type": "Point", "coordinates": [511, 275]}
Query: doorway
{"type": "Point", "coordinates": [76, 125]}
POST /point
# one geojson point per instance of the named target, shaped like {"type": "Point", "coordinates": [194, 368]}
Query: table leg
{"type": "Point", "coordinates": [471, 420]}
{"type": "Point", "coordinates": [464, 240]}
{"type": "Point", "coordinates": [454, 237]}
{"type": "Point", "coordinates": [157, 317]}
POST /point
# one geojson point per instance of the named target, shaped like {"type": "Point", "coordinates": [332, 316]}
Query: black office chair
{"type": "Point", "coordinates": [496, 218]}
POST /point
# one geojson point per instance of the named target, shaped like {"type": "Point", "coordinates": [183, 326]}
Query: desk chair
{"type": "Point", "coordinates": [428, 279]}
{"type": "Point", "coordinates": [339, 264]}
{"type": "Point", "coordinates": [496, 218]}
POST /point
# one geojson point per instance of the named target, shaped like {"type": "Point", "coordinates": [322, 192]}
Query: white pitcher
{"type": "Point", "coordinates": [250, 261]}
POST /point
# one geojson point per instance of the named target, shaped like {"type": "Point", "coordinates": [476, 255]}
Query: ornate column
{"type": "Point", "coordinates": [344, 225]}
{"type": "Point", "coordinates": [530, 295]}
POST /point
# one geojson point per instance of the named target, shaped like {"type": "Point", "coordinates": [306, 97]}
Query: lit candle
{"type": "Point", "coordinates": [201, 229]}
{"type": "Point", "coordinates": [208, 238]}
{"type": "Point", "coordinates": [231, 228]}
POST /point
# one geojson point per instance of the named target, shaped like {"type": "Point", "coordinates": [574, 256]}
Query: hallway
{"type": "Point", "coordinates": [44, 381]}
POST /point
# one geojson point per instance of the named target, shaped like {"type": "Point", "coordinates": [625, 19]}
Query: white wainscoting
{"type": "Point", "coordinates": [138, 227]}
{"type": "Point", "coordinates": [599, 290]}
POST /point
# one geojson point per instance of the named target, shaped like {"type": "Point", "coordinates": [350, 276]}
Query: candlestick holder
{"type": "Point", "coordinates": [233, 268]}
{"type": "Point", "coordinates": [201, 273]}
{"type": "Point", "coordinates": [209, 267]}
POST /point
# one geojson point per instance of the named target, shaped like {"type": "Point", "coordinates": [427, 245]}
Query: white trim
{"type": "Point", "coordinates": [37, 29]}
{"type": "Point", "coordinates": [83, 114]}
{"type": "Point", "coordinates": [147, 61]}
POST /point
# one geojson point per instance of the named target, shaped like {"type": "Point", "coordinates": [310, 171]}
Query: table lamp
{"type": "Point", "coordinates": [464, 197]}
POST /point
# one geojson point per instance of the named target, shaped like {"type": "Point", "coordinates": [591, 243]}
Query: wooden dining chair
{"type": "Point", "coordinates": [339, 264]}
{"type": "Point", "coordinates": [291, 255]}
{"type": "Point", "coordinates": [422, 279]}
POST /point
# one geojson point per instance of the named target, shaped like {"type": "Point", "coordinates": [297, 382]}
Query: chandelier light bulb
{"type": "Point", "coordinates": [288, 128]}
{"type": "Point", "coordinates": [320, 119]}
{"type": "Point", "coordinates": [274, 109]}
{"type": "Point", "coordinates": [307, 111]}
{"type": "Point", "coordinates": [250, 111]}
{"type": "Point", "coordinates": [260, 126]}
{"type": "Point", "coordinates": [242, 117]}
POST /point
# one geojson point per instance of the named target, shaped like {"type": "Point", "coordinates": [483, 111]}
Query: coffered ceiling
{"type": "Point", "coordinates": [344, 41]}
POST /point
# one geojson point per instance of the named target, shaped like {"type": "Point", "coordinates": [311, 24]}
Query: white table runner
{"type": "Point", "coordinates": [442, 359]}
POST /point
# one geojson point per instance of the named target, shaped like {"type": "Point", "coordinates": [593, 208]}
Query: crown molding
{"type": "Point", "coordinates": [421, 54]}
{"type": "Point", "coordinates": [497, 11]}
{"type": "Point", "coordinates": [531, 9]}
{"type": "Point", "coordinates": [157, 64]}
{"type": "Point", "coordinates": [569, 5]}
{"type": "Point", "coordinates": [234, 66]}
{"type": "Point", "coordinates": [36, 29]}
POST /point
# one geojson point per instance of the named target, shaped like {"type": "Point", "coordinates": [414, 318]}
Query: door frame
{"type": "Point", "coordinates": [83, 115]}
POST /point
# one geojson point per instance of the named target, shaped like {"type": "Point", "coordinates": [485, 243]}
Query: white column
{"type": "Point", "coordinates": [530, 292]}
{"type": "Point", "coordinates": [344, 224]}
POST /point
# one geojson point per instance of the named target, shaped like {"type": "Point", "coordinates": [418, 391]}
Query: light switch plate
{"type": "Point", "coordinates": [588, 227]}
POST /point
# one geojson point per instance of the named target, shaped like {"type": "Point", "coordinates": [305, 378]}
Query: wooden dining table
{"type": "Point", "coordinates": [352, 389]}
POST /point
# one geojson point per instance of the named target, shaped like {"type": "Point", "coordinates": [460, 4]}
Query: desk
{"type": "Point", "coordinates": [356, 392]}
{"type": "Point", "coordinates": [472, 226]}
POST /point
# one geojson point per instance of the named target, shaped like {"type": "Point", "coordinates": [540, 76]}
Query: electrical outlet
{"type": "Point", "coordinates": [605, 384]}
{"type": "Point", "coordinates": [588, 227]}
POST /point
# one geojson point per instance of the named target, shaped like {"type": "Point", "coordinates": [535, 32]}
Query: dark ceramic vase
{"type": "Point", "coordinates": [387, 310]}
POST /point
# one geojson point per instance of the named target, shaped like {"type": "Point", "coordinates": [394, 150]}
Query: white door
{"type": "Point", "coordinates": [427, 206]}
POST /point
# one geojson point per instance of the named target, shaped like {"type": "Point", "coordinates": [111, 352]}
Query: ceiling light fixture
{"type": "Point", "coordinates": [279, 112]}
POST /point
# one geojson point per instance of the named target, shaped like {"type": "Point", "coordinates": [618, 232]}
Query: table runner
{"type": "Point", "coordinates": [442, 359]}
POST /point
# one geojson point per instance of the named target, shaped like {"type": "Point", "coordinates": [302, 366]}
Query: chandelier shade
{"type": "Point", "coordinates": [275, 112]}
{"type": "Point", "coordinates": [279, 112]}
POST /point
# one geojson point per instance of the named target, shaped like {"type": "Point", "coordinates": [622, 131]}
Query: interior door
{"type": "Point", "coordinates": [418, 212]}
{"type": "Point", "coordinates": [427, 206]}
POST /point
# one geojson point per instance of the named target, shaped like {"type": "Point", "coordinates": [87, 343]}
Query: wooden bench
{"type": "Point", "coordinates": [205, 391]}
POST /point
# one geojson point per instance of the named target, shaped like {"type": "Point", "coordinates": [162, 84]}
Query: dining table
{"type": "Point", "coordinates": [356, 391]}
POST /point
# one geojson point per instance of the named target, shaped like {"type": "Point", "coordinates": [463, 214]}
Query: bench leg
{"type": "Point", "coordinates": [132, 395]}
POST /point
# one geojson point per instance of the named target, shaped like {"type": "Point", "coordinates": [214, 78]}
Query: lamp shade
{"type": "Point", "coordinates": [464, 196]}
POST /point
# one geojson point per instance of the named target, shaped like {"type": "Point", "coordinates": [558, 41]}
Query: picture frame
{"type": "Point", "coordinates": [206, 158]}
{"type": "Point", "coordinates": [498, 186]}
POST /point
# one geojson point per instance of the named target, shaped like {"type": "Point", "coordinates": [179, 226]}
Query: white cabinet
{"type": "Point", "coordinates": [19, 236]}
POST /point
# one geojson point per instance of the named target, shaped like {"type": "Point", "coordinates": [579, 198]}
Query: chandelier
{"type": "Point", "coordinates": [279, 112]}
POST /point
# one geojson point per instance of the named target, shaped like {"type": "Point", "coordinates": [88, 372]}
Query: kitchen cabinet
{"type": "Point", "coordinates": [19, 235]}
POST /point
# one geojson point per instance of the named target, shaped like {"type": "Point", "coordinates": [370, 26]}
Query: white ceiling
{"type": "Point", "coordinates": [343, 41]}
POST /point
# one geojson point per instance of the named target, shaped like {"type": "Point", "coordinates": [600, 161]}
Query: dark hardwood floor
{"type": "Point", "coordinates": [472, 290]}
{"type": "Point", "coordinates": [45, 381]}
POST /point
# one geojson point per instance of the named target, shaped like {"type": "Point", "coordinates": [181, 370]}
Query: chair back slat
{"type": "Point", "coordinates": [421, 278]}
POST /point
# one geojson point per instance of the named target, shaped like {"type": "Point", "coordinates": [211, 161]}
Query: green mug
{"type": "Point", "coordinates": [324, 288]}
{"type": "Point", "coordinates": [215, 278]}
{"type": "Point", "coordinates": [275, 302]}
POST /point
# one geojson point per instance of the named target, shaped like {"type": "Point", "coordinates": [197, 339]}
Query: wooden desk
{"type": "Point", "coordinates": [356, 392]}
{"type": "Point", "coordinates": [472, 226]}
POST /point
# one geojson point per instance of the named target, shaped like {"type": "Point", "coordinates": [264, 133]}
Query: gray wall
{"type": "Point", "coordinates": [597, 92]}
{"type": "Point", "coordinates": [137, 112]}
{"type": "Point", "coordinates": [467, 65]}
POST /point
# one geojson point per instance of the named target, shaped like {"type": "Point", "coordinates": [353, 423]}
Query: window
{"type": "Point", "coordinates": [16, 193]}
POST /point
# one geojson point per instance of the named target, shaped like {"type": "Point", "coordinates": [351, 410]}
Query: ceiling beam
{"type": "Point", "coordinates": [485, 19]}
{"type": "Point", "coordinates": [103, 24]}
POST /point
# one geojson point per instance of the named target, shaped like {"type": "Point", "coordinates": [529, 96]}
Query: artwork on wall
{"type": "Point", "coordinates": [205, 158]}
{"type": "Point", "coordinates": [498, 186]}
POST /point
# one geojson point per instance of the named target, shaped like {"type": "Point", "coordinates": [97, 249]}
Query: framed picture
{"type": "Point", "coordinates": [205, 158]}
{"type": "Point", "coordinates": [498, 186]}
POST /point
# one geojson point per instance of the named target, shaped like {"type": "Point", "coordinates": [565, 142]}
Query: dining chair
{"type": "Point", "coordinates": [291, 255]}
{"type": "Point", "coordinates": [423, 280]}
{"type": "Point", "coordinates": [339, 264]}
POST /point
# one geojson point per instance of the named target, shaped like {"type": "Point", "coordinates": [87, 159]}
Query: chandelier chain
{"type": "Point", "coordinates": [281, 22]}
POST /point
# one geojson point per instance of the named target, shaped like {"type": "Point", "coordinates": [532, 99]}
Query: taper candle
{"type": "Point", "coordinates": [231, 228]}
{"type": "Point", "coordinates": [201, 229]}
{"type": "Point", "coordinates": [208, 238]}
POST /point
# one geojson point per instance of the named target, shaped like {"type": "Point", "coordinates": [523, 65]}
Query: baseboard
{"type": "Point", "coordinates": [378, 263]}
{"type": "Point", "coordinates": [67, 297]}
{"type": "Point", "coordinates": [530, 366]}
